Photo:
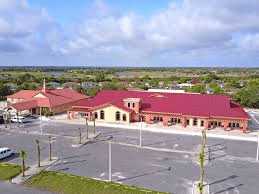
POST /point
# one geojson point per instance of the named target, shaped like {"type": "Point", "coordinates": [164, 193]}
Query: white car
{"type": "Point", "coordinates": [21, 119]}
{"type": "Point", "coordinates": [5, 152]}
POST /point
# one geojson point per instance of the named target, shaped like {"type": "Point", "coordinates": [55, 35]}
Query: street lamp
{"type": "Point", "coordinates": [140, 133]}
{"type": "Point", "coordinates": [86, 123]}
{"type": "Point", "coordinates": [110, 157]}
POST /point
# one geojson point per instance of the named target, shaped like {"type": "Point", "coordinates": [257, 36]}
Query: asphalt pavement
{"type": "Point", "coordinates": [232, 167]}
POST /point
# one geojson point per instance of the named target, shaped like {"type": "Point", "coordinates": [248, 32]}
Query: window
{"type": "Point", "coordinates": [102, 115]}
{"type": "Point", "coordinates": [124, 117]}
{"type": "Point", "coordinates": [195, 122]}
{"type": "Point", "coordinates": [96, 115]}
{"type": "Point", "coordinates": [202, 123]}
{"type": "Point", "coordinates": [128, 104]}
{"type": "Point", "coordinates": [118, 116]}
{"type": "Point", "coordinates": [237, 125]}
{"type": "Point", "coordinates": [188, 122]}
{"type": "Point", "coordinates": [178, 120]}
{"type": "Point", "coordinates": [229, 124]}
{"type": "Point", "coordinates": [133, 105]}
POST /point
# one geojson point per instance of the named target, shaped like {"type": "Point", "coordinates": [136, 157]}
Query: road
{"type": "Point", "coordinates": [232, 168]}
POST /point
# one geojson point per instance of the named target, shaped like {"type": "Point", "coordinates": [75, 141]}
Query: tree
{"type": "Point", "coordinates": [249, 96]}
{"type": "Point", "coordinates": [38, 151]}
{"type": "Point", "coordinates": [23, 156]}
{"type": "Point", "coordinates": [4, 91]}
{"type": "Point", "coordinates": [100, 76]}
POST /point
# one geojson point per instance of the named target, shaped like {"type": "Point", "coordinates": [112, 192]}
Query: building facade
{"type": "Point", "coordinates": [43, 101]}
{"type": "Point", "coordinates": [183, 109]}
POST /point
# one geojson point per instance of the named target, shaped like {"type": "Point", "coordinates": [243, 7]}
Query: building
{"type": "Point", "coordinates": [47, 100]}
{"type": "Point", "coordinates": [182, 109]}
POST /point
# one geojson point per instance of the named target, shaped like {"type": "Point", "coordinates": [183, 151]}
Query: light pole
{"type": "Point", "coordinates": [86, 123]}
{"type": "Point", "coordinates": [110, 158]}
{"type": "Point", "coordinates": [41, 130]}
{"type": "Point", "coordinates": [140, 133]}
{"type": "Point", "coordinates": [257, 153]}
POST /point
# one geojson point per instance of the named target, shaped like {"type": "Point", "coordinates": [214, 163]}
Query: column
{"type": "Point", "coordinates": [225, 124]}
{"type": "Point", "coordinates": [165, 120]}
{"type": "Point", "coordinates": [184, 124]}
{"type": "Point", "coordinates": [244, 125]}
{"type": "Point", "coordinates": [206, 123]}
{"type": "Point", "coordinates": [148, 118]}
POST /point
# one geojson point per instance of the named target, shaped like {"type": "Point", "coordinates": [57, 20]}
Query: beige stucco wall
{"type": "Point", "coordinates": [109, 114]}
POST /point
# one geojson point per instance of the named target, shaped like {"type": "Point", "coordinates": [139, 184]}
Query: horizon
{"type": "Point", "coordinates": [109, 33]}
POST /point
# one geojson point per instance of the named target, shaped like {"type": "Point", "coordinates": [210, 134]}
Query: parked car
{"type": "Point", "coordinates": [5, 152]}
{"type": "Point", "coordinates": [21, 119]}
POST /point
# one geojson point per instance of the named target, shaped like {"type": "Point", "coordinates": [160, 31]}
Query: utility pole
{"type": "Point", "coordinates": [110, 161]}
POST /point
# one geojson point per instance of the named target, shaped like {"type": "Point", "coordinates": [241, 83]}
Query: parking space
{"type": "Point", "coordinates": [232, 167]}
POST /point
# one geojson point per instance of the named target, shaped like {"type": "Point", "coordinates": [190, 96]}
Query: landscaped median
{"type": "Point", "coordinates": [71, 184]}
{"type": "Point", "coordinates": [8, 171]}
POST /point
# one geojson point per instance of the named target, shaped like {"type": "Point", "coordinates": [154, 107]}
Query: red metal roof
{"type": "Point", "coordinates": [200, 105]}
{"type": "Point", "coordinates": [52, 98]}
{"type": "Point", "coordinates": [25, 105]}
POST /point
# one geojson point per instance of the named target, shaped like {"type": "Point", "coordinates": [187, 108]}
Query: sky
{"type": "Point", "coordinates": [215, 33]}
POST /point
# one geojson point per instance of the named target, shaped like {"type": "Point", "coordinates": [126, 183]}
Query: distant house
{"type": "Point", "coordinates": [185, 85]}
{"type": "Point", "coordinates": [50, 100]}
{"type": "Point", "coordinates": [89, 85]}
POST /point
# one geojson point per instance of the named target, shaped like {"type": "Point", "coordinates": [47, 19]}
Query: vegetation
{"type": "Point", "coordinates": [70, 184]}
{"type": "Point", "coordinates": [9, 171]}
{"type": "Point", "coordinates": [240, 83]}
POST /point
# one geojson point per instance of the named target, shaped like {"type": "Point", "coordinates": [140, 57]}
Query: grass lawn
{"type": "Point", "coordinates": [8, 171]}
{"type": "Point", "coordinates": [70, 184]}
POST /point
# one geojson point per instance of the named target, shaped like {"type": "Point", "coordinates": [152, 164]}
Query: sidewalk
{"type": "Point", "coordinates": [33, 170]}
{"type": "Point", "coordinates": [192, 131]}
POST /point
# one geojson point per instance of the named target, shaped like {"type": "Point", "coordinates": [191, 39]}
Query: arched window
{"type": "Point", "coordinates": [124, 117]}
{"type": "Point", "coordinates": [118, 116]}
{"type": "Point", "coordinates": [102, 115]}
{"type": "Point", "coordinates": [96, 115]}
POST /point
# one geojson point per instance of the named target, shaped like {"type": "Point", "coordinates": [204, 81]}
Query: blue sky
{"type": "Point", "coordinates": [130, 32]}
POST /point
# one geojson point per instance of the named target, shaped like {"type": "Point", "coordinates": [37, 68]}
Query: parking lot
{"type": "Point", "coordinates": [165, 162]}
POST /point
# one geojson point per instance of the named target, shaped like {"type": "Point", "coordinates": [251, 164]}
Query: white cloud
{"type": "Point", "coordinates": [193, 28]}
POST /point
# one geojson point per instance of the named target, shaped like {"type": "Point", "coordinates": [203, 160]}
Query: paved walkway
{"type": "Point", "coordinates": [193, 131]}
{"type": "Point", "coordinates": [33, 170]}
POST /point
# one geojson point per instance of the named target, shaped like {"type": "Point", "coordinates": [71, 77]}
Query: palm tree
{"type": "Point", "coordinates": [23, 156]}
{"type": "Point", "coordinates": [94, 126]}
{"type": "Point", "coordinates": [201, 161]}
{"type": "Point", "coordinates": [38, 151]}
